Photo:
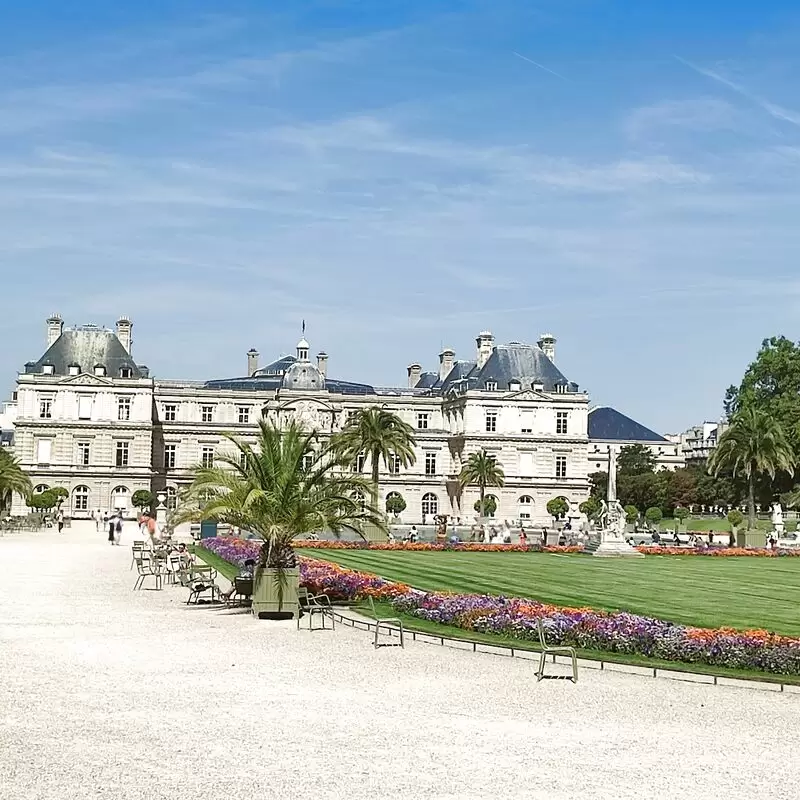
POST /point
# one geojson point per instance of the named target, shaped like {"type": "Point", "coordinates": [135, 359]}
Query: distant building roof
{"type": "Point", "coordinates": [87, 346]}
{"type": "Point", "coordinates": [607, 423]}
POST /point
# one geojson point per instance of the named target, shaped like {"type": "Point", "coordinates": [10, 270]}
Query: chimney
{"type": "Point", "coordinates": [485, 342]}
{"type": "Point", "coordinates": [414, 372]}
{"type": "Point", "coordinates": [547, 344]}
{"type": "Point", "coordinates": [55, 327]}
{"type": "Point", "coordinates": [252, 362]}
{"type": "Point", "coordinates": [322, 364]}
{"type": "Point", "coordinates": [447, 359]}
{"type": "Point", "coordinates": [124, 330]}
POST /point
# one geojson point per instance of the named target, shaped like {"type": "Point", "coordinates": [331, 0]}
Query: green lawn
{"type": "Point", "coordinates": [745, 592]}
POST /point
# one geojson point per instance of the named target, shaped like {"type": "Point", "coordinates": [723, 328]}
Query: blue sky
{"type": "Point", "coordinates": [403, 175]}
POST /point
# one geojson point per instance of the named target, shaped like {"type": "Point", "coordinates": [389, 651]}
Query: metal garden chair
{"type": "Point", "coordinates": [315, 605]}
{"type": "Point", "coordinates": [557, 650]}
{"type": "Point", "coordinates": [388, 623]}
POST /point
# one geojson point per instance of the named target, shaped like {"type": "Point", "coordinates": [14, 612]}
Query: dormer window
{"type": "Point", "coordinates": [99, 370]}
{"type": "Point", "coordinates": [537, 387]}
{"type": "Point", "coordinates": [491, 386]}
{"type": "Point", "coordinates": [561, 388]}
{"type": "Point", "coordinates": [74, 369]}
{"type": "Point", "coordinates": [514, 386]}
{"type": "Point", "coordinates": [48, 369]}
{"type": "Point", "coordinates": [125, 372]}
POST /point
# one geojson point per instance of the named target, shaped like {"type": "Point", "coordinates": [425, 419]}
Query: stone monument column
{"type": "Point", "coordinates": [612, 534]}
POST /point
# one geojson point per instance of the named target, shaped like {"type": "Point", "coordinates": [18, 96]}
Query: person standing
{"type": "Point", "coordinates": [111, 527]}
{"type": "Point", "coordinates": [60, 521]}
{"type": "Point", "coordinates": [118, 529]}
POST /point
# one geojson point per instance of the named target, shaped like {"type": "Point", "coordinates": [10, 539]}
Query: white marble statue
{"type": "Point", "coordinates": [778, 524]}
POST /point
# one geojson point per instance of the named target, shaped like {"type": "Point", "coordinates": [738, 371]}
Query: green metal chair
{"type": "Point", "coordinates": [558, 650]}
{"type": "Point", "coordinates": [390, 624]}
{"type": "Point", "coordinates": [315, 605]}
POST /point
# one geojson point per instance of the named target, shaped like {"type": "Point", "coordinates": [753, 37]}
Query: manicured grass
{"type": "Point", "coordinates": [706, 591]}
{"type": "Point", "coordinates": [411, 622]}
{"type": "Point", "coordinates": [225, 568]}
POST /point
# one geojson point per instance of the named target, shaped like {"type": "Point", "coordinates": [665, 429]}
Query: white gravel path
{"type": "Point", "coordinates": [106, 693]}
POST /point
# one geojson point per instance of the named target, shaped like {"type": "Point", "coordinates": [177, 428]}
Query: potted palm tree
{"type": "Point", "coordinates": [379, 435]}
{"type": "Point", "coordinates": [481, 470]}
{"type": "Point", "coordinates": [13, 480]}
{"type": "Point", "coordinates": [754, 444]}
{"type": "Point", "coordinates": [288, 485]}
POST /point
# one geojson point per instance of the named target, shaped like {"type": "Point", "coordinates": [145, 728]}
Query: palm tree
{"type": "Point", "coordinates": [481, 470]}
{"type": "Point", "coordinates": [13, 480]}
{"type": "Point", "coordinates": [283, 487]}
{"type": "Point", "coordinates": [380, 435]}
{"type": "Point", "coordinates": [753, 445]}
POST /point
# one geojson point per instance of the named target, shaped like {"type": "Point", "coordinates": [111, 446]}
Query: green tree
{"type": "Point", "coordinates": [634, 459]}
{"type": "Point", "coordinates": [481, 470]}
{"type": "Point", "coordinates": [642, 490]}
{"type": "Point", "coordinates": [395, 504]}
{"type": "Point", "coordinates": [557, 507]}
{"type": "Point", "coordinates": [680, 514]}
{"type": "Point", "coordinates": [754, 444]}
{"type": "Point", "coordinates": [379, 435]}
{"type": "Point", "coordinates": [142, 499]}
{"type": "Point", "coordinates": [599, 485]}
{"type": "Point", "coordinates": [287, 485]}
{"type": "Point", "coordinates": [631, 514]}
{"type": "Point", "coordinates": [60, 494]}
{"type": "Point", "coordinates": [653, 516]}
{"type": "Point", "coordinates": [489, 505]}
{"type": "Point", "coordinates": [736, 518]}
{"type": "Point", "coordinates": [43, 501]}
{"type": "Point", "coordinates": [590, 507]}
{"type": "Point", "coordinates": [13, 480]}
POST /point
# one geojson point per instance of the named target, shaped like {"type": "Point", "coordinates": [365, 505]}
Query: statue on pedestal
{"type": "Point", "coordinates": [778, 524]}
{"type": "Point", "coordinates": [612, 518]}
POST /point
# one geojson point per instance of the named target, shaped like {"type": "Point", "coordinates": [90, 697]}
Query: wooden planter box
{"type": "Point", "coordinates": [265, 595]}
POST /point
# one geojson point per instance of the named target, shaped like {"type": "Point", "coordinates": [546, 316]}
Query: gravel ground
{"type": "Point", "coordinates": [106, 693]}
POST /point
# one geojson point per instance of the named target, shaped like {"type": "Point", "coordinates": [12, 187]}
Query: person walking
{"type": "Point", "coordinates": [118, 529]}
{"type": "Point", "coordinates": [111, 527]}
{"type": "Point", "coordinates": [60, 521]}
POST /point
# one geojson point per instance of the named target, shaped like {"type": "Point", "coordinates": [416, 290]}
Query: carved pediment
{"type": "Point", "coordinates": [526, 394]}
{"type": "Point", "coordinates": [85, 379]}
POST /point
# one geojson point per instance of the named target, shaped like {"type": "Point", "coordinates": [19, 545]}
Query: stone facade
{"type": "Point", "coordinates": [93, 421]}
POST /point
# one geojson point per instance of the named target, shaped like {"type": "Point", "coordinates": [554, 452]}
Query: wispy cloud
{"type": "Point", "coordinates": [694, 114]}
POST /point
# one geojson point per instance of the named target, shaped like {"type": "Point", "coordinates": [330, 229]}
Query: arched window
{"type": "Point", "coordinates": [42, 487]}
{"type": "Point", "coordinates": [80, 498]}
{"type": "Point", "coordinates": [430, 504]}
{"type": "Point", "coordinates": [525, 506]}
{"type": "Point", "coordinates": [172, 497]}
{"type": "Point", "coordinates": [120, 498]}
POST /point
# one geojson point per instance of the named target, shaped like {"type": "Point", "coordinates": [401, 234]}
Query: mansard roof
{"type": "Point", "coordinates": [87, 346]}
{"type": "Point", "coordinates": [607, 423]}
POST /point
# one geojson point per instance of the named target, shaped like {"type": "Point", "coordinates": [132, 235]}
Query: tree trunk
{"type": "Point", "coordinates": [751, 503]}
{"type": "Point", "coordinates": [482, 502]}
{"type": "Point", "coordinates": [375, 477]}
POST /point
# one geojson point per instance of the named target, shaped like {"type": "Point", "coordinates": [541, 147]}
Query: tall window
{"type": "Point", "coordinates": [124, 408]}
{"type": "Point", "coordinates": [206, 413]}
{"type": "Point", "coordinates": [119, 498]}
{"type": "Point", "coordinates": [84, 454]}
{"type": "Point", "coordinates": [85, 406]}
{"type": "Point", "coordinates": [122, 454]}
{"type": "Point", "coordinates": [430, 504]}
{"type": "Point", "coordinates": [308, 461]}
{"type": "Point", "coordinates": [207, 456]}
{"type": "Point", "coordinates": [423, 418]}
{"type": "Point", "coordinates": [525, 505]}
{"type": "Point", "coordinates": [170, 456]}
{"type": "Point", "coordinates": [561, 466]}
{"type": "Point", "coordinates": [80, 498]}
{"type": "Point", "coordinates": [430, 463]}
{"type": "Point", "coordinates": [244, 414]}
{"type": "Point", "coordinates": [44, 450]}
{"type": "Point", "coordinates": [394, 464]}
{"type": "Point", "coordinates": [561, 421]}
{"type": "Point", "coordinates": [491, 421]}
{"type": "Point", "coordinates": [46, 408]}
{"type": "Point", "coordinates": [526, 422]}
{"type": "Point", "coordinates": [358, 464]}
{"type": "Point", "coordinates": [172, 497]}
{"type": "Point", "coordinates": [170, 412]}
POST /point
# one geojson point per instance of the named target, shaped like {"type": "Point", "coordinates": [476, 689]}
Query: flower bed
{"type": "Point", "coordinates": [760, 552]}
{"type": "Point", "coordinates": [516, 618]}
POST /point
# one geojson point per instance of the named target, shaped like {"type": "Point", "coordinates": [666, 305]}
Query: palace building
{"type": "Point", "coordinates": [91, 419]}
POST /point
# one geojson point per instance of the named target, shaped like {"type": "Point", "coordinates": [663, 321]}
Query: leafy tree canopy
{"type": "Point", "coordinates": [635, 459]}
{"type": "Point", "coordinates": [557, 507]}
{"type": "Point", "coordinates": [142, 499]}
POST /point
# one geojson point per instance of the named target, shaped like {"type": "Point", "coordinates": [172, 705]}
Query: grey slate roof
{"type": "Point", "coordinates": [525, 363]}
{"type": "Point", "coordinates": [607, 423]}
{"type": "Point", "coordinates": [87, 346]}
